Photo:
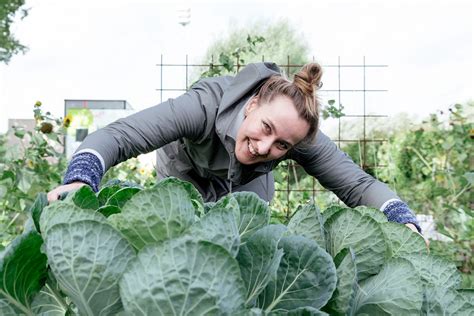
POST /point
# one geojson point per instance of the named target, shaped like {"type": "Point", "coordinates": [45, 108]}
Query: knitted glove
{"type": "Point", "coordinates": [399, 212]}
{"type": "Point", "coordinates": [85, 167]}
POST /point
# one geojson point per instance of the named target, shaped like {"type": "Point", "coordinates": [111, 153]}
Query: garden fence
{"type": "Point", "coordinates": [354, 85]}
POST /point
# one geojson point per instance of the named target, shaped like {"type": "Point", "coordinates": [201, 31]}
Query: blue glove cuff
{"type": "Point", "coordinates": [85, 167]}
{"type": "Point", "coordinates": [399, 212]}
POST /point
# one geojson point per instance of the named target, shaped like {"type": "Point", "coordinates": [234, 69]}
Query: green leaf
{"type": "Point", "coordinates": [349, 229]}
{"type": "Point", "coordinates": [122, 196]}
{"type": "Point", "coordinates": [250, 312]}
{"type": "Point", "coordinates": [446, 301]}
{"type": "Point", "coordinates": [469, 177]}
{"type": "Point", "coordinates": [254, 213]}
{"type": "Point", "coordinates": [25, 178]}
{"type": "Point", "coordinates": [226, 62]}
{"type": "Point", "coordinates": [302, 311]}
{"type": "Point", "coordinates": [106, 192]}
{"type": "Point", "coordinates": [436, 271]}
{"type": "Point", "coordinates": [108, 210]}
{"type": "Point", "coordinates": [37, 208]}
{"type": "Point", "coordinates": [183, 277]}
{"type": "Point", "coordinates": [396, 290]}
{"type": "Point", "coordinates": [19, 132]}
{"type": "Point", "coordinates": [159, 213]}
{"type": "Point", "coordinates": [259, 260]}
{"type": "Point", "coordinates": [193, 193]}
{"type": "Point", "coordinates": [84, 197]}
{"type": "Point", "coordinates": [88, 259]}
{"type": "Point", "coordinates": [9, 310]}
{"type": "Point", "coordinates": [343, 297]}
{"type": "Point", "coordinates": [46, 302]}
{"type": "Point", "coordinates": [22, 273]}
{"type": "Point", "coordinates": [8, 174]}
{"type": "Point", "coordinates": [306, 277]}
{"type": "Point", "coordinates": [3, 190]}
{"type": "Point", "coordinates": [50, 300]}
{"type": "Point", "coordinates": [402, 241]}
{"type": "Point", "coordinates": [374, 213]}
{"type": "Point", "coordinates": [220, 227]}
{"type": "Point", "coordinates": [208, 206]}
{"type": "Point", "coordinates": [331, 210]}
{"type": "Point", "coordinates": [65, 212]}
{"type": "Point", "coordinates": [307, 222]}
{"type": "Point", "coordinates": [227, 202]}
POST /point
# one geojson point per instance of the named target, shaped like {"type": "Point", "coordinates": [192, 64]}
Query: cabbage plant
{"type": "Point", "coordinates": [163, 251]}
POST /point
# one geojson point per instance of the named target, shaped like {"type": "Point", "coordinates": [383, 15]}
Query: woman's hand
{"type": "Point", "coordinates": [54, 194]}
{"type": "Point", "coordinates": [413, 228]}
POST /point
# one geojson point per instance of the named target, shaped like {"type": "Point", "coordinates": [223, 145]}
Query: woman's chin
{"type": "Point", "coordinates": [244, 159]}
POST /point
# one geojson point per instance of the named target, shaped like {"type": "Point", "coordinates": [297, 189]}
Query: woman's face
{"type": "Point", "coordinates": [269, 130]}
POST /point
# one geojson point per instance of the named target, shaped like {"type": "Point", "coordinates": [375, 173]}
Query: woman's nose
{"type": "Point", "coordinates": [264, 147]}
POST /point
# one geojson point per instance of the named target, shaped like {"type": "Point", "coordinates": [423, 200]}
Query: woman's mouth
{"type": "Point", "coordinates": [253, 152]}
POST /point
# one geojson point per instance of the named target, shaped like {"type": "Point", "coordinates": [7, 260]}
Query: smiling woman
{"type": "Point", "coordinates": [269, 130]}
{"type": "Point", "coordinates": [228, 133]}
{"type": "Point", "coordinates": [279, 117]}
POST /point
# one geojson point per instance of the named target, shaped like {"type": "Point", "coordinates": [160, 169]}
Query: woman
{"type": "Point", "coordinates": [228, 133]}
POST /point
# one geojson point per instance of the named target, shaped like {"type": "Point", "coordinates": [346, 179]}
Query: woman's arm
{"type": "Point", "coordinates": [190, 115]}
{"type": "Point", "coordinates": [336, 171]}
{"type": "Point", "coordinates": [152, 128]}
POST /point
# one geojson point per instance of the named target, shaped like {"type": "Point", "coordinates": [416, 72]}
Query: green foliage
{"type": "Point", "coordinates": [35, 164]}
{"type": "Point", "coordinates": [228, 260]}
{"type": "Point", "coordinates": [230, 61]}
{"type": "Point", "coordinates": [294, 186]}
{"type": "Point", "coordinates": [133, 171]}
{"type": "Point", "coordinates": [22, 271]}
{"type": "Point", "coordinates": [277, 42]}
{"type": "Point", "coordinates": [9, 45]}
{"type": "Point", "coordinates": [430, 167]}
{"type": "Point", "coordinates": [332, 111]}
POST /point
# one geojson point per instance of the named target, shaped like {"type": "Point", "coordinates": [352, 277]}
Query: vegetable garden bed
{"type": "Point", "coordinates": [163, 251]}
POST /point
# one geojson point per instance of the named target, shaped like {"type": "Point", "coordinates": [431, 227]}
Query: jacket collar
{"type": "Point", "coordinates": [244, 85]}
{"type": "Point", "coordinates": [230, 114]}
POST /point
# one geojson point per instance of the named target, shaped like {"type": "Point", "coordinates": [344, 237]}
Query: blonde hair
{"type": "Point", "coordinates": [302, 91]}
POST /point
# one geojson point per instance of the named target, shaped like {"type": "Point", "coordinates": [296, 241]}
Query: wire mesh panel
{"type": "Point", "coordinates": [346, 87]}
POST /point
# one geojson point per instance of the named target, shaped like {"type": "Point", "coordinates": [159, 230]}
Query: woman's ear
{"type": "Point", "coordinates": [253, 104]}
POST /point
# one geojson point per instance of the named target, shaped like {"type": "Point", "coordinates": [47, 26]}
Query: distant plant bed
{"type": "Point", "coordinates": [163, 251]}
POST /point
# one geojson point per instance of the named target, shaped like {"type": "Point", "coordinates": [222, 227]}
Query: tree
{"type": "Point", "coordinates": [9, 45]}
{"type": "Point", "coordinates": [280, 42]}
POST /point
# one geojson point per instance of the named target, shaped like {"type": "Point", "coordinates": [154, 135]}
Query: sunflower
{"type": "Point", "coordinates": [46, 127]}
{"type": "Point", "coordinates": [67, 120]}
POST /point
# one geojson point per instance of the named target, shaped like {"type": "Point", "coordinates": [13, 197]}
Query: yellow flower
{"type": "Point", "coordinates": [142, 170]}
{"type": "Point", "coordinates": [67, 120]}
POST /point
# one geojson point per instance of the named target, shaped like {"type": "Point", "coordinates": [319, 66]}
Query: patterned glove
{"type": "Point", "coordinates": [85, 167]}
{"type": "Point", "coordinates": [399, 212]}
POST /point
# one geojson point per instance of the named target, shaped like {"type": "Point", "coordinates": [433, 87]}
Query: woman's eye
{"type": "Point", "coordinates": [282, 146]}
{"type": "Point", "coordinates": [266, 128]}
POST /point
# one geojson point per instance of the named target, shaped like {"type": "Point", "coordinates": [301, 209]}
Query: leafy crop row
{"type": "Point", "coordinates": [162, 251]}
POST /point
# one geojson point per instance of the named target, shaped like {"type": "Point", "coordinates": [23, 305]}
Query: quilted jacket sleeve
{"type": "Point", "coordinates": [339, 174]}
{"type": "Point", "coordinates": [191, 115]}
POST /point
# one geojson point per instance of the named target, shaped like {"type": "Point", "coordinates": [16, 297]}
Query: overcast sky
{"type": "Point", "coordinates": [106, 49]}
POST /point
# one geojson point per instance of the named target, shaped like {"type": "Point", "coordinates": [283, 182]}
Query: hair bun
{"type": "Point", "coordinates": [308, 79]}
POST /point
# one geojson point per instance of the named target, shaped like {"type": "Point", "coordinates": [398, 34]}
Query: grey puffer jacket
{"type": "Point", "coordinates": [197, 131]}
